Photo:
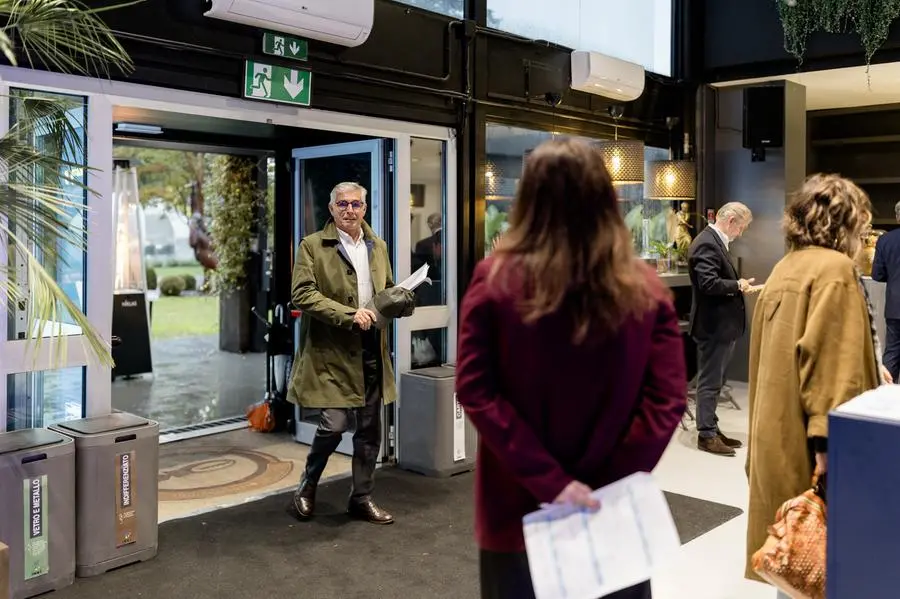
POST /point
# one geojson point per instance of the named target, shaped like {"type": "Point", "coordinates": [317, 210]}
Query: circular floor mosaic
{"type": "Point", "coordinates": [222, 473]}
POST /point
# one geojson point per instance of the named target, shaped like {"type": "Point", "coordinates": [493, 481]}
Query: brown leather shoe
{"type": "Point", "coordinates": [303, 503]}
{"type": "Point", "coordinates": [715, 446]}
{"type": "Point", "coordinates": [733, 443]}
{"type": "Point", "coordinates": [365, 509]}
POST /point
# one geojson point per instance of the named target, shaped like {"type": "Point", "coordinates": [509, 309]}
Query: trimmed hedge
{"type": "Point", "coordinates": [190, 282]}
{"type": "Point", "coordinates": [151, 278]}
{"type": "Point", "coordinates": [171, 286]}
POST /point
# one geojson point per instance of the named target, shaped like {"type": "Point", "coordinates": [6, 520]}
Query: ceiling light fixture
{"type": "Point", "coordinates": [138, 128]}
{"type": "Point", "coordinates": [624, 158]}
{"type": "Point", "coordinates": [671, 179]}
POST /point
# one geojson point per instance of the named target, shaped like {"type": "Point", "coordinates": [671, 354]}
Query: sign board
{"type": "Point", "coordinates": [276, 44]}
{"type": "Point", "coordinates": [274, 83]}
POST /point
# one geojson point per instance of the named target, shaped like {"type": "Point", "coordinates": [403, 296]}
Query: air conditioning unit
{"type": "Point", "coordinates": [606, 76]}
{"type": "Point", "coordinates": [343, 22]}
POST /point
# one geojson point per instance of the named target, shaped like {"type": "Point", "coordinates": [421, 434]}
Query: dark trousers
{"type": "Point", "coordinates": [334, 422]}
{"type": "Point", "coordinates": [891, 358]}
{"type": "Point", "coordinates": [506, 576]}
{"type": "Point", "coordinates": [713, 357]}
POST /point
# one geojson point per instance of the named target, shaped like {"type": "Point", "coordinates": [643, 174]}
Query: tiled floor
{"type": "Point", "coordinates": [711, 566]}
{"type": "Point", "coordinates": [192, 383]}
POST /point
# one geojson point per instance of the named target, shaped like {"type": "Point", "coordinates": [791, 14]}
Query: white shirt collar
{"type": "Point", "coordinates": [345, 237]}
{"type": "Point", "coordinates": [721, 235]}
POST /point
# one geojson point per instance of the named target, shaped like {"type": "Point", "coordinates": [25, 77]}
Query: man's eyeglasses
{"type": "Point", "coordinates": [344, 204]}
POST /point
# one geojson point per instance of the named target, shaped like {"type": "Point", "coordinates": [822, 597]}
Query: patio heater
{"type": "Point", "coordinates": [131, 316]}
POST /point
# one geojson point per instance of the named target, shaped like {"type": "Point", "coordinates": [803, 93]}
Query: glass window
{"type": "Point", "coordinates": [507, 148]}
{"type": "Point", "coordinates": [427, 207]}
{"type": "Point", "coordinates": [638, 31]}
{"type": "Point", "coordinates": [66, 261]}
{"type": "Point", "coordinates": [39, 399]}
{"type": "Point", "coordinates": [451, 8]}
{"type": "Point", "coordinates": [429, 348]}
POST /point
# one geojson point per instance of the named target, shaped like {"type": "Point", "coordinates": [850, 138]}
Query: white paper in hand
{"type": "Point", "coordinates": [414, 280]}
{"type": "Point", "coordinates": [579, 554]}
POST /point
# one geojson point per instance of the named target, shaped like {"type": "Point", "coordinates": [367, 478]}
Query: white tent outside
{"type": "Point", "coordinates": [167, 235]}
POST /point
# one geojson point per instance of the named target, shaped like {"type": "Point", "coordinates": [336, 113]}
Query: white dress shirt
{"type": "Point", "coordinates": [721, 235]}
{"type": "Point", "coordinates": [358, 252]}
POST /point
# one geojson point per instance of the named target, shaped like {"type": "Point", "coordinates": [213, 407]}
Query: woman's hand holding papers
{"type": "Point", "coordinates": [579, 494]}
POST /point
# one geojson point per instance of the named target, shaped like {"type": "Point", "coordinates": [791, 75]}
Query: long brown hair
{"type": "Point", "coordinates": [569, 244]}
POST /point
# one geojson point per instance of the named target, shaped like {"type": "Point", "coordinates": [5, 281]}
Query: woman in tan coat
{"type": "Point", "coordinates": [812, 346]}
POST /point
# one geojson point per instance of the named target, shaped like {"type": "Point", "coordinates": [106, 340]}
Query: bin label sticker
{"type": "Point", "coordinates": [37, 546]}
{"type": "Point", "coordinates": [126, 516]}
{"type": "Point", "coordinates": [459, 431]}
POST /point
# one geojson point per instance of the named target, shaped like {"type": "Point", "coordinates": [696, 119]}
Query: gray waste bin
{"type": "Point", "coordinates": [117, 459]}
{"type": "Point", "coordinates": [37, 510]}
{"type": "Point", "coordinates": [434, 436]}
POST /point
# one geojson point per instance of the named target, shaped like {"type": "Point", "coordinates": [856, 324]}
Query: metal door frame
{"type": "Point", "coordinates": [306, 431]}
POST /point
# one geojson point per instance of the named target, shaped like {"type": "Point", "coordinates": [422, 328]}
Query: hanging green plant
{"type": "Point", "coordinates": [870, 19]}
{"type": "Point", "coordinates": [235, 214]}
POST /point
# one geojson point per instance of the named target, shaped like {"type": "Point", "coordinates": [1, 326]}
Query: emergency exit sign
{"type": "Point", "coordinates": [274, 83]}
{"type": "Point", "coordinates": [285, 46]}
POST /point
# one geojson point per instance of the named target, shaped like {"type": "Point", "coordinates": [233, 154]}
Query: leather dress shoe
{"type": "Point", "coordinates": [365, 509]}
{"type": "Point", "coordinates": [733, 443]}
{"type": "Point", "coordinates": [715, 446]}
{"type": "Point", "coordinates": [303, 503]}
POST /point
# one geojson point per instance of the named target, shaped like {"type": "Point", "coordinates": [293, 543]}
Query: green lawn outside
{"type": "Point", "coordinates": [185, 316]}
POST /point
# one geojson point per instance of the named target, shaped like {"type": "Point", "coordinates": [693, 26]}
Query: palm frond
{"type": "Point", "coordinates": [65, 35]}
{"type": "Point", "coordinates": [43, 172]}
{"type": "Point", "coordinates": [47, 307]}
{"type": "Point", "coordinates": [43, 195]}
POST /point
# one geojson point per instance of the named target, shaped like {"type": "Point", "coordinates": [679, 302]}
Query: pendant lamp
{"type": "Point", "coordinates": [624, 158]}
{"type": "Point", "coordinates": [671, 179]}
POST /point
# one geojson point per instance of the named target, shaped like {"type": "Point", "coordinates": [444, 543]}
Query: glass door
{"type": "Point", "coordinates": [40, 384]}
{"type": "Point", "coordinates": [316, 171]}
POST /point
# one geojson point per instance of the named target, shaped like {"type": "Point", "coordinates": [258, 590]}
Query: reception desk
{"type": "Point", "coordinates": [863, 492]}
{"type": "Point", "coordinates": [876, 296]}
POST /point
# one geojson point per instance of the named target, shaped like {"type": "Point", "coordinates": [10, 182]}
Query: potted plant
{"type": "Point", "coordinates": [36, 205]}
{"type": "Point", "coordinates": [235, 219]}
{"type": "Point", "coordinates": [664, 253]}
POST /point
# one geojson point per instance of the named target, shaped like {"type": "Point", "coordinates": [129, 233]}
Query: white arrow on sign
{"type": "Point", "coordinates": [293, 85]}
{"type": "Point", "coordinates": [295, 47]}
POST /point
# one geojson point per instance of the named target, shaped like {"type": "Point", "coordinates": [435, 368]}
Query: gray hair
{"type": "Point", "coordinates": [735, 210]}
{"type": "Point", "coordinates": [345, 187]}
{"type": "Point", "coordinates": [897, 210]}
{"type": "Point", "coordinates": [434, 221]}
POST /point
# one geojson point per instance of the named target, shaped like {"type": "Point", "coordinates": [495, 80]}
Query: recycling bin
{"type": "Point", "coordinates": [117, 465]}
{"type": "Point", "coordinates": [37, 510]}
{"type": "Point", "coordinates": [434, 436]}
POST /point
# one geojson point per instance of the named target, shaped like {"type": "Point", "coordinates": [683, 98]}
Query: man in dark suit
{"type": "Point", "coordinates": [886, 269]}
{"type": "Point", "coordinates": [429, 250]}
{"type": "Point", "coordinates": [718, 317]}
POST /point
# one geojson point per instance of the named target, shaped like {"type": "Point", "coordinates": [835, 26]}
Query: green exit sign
{"type": "Point", "coordinates": [274, 83]}
{"type": "Point", "coordinates": [285, 46]}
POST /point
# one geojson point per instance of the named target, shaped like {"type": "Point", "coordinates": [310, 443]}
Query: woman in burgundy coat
{"type": "Point", "coordinates": [570, 362]}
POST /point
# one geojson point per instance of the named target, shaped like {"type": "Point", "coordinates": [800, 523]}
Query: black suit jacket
{"type": "Point", "coordinates": [718, 311]}
{"type": "Point", "coordinates": [426, 252]}
{"type": "Point", "coordinates": [886, 269]}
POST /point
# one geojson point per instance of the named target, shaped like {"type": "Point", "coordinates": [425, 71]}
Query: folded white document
{"type": "Point", "coordinates": [416, 279]}
{"type": "Point", "coordinates": [575, 553]}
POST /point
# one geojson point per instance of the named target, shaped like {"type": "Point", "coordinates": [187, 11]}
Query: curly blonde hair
{"type": "Point", "coordinates": [828, 211]}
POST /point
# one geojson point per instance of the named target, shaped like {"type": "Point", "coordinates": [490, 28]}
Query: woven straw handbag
{"type": "Point", "coordinates": [793, 557]}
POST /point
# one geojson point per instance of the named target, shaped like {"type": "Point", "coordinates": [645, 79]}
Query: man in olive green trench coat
{"type": "Point", "coordinates": [343, 366]}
